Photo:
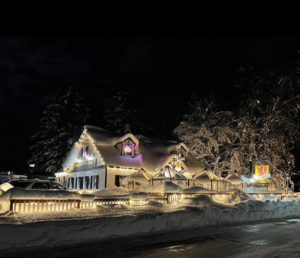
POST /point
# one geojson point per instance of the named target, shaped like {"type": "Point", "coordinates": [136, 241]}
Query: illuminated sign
{"type": "Point", "coordinates": [128, 150]}
{"type": "Point", "coordinates": [85, 163]}
{"type": "Point", "coordinates": [262, 171]}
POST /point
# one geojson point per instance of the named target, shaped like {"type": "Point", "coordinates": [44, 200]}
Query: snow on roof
{"type": "Point", "coordinates": [167, 173]}
{"type": "Point", "coordinates": [206, 177]}
{"type": "Point", "coordinates": [19, 193]}
{"type": "Point", "coordinates": [150, 154]}
{"type": "Point", "coordinates": [140, 176]}
{"type": "Point", "coordinates": [237, 178]}
{"type": "Point", "coordinates": [197, 189]}
{"type": "Point", "coordinates": [107, 138]}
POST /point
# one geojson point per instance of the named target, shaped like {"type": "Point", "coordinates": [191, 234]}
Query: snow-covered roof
{"type": "Point", "coordinates": [167, 173]}
{"type": "Point", "coordinates": [237, 178]}
{"type": "Point", "coordinates": [150, 154]}
{"type": "Point", "coordinates": [140, 176]}
{"type": "Point", "coordinates": [205, 177]}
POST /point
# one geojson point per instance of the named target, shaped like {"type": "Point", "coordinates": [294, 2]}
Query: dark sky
{"type": "Point", "coordinates": [161, 72]}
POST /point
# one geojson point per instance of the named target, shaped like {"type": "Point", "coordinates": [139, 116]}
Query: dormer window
{"type": "Point", "coordinates": [128, 148]}
{"type": "Point", "coordinates": [181, 153]}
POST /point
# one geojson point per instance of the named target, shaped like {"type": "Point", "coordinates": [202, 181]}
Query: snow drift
{"type": "Point", "coordinates": [19, 194]}
{"type": "Point", "coordinates": [119, 220]}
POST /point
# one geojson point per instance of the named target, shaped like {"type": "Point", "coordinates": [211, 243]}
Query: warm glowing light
{"type": "Point", "coordinates": [178, 166]}
{"type": "Point", "coordinates": [128, 150]}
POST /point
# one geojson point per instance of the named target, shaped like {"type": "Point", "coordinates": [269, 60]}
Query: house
{"type": "Point", "coordinates": [101, 158]}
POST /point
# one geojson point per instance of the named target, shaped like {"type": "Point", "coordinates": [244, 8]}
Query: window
{"type": "Point", "coordinates": [40, 185]}
{"type": "Point", "coordinates": [80, 183]}
{"type": "Point", "coordinates": [71, 182]}
{"type": "Point", "coordinates": [86, 182]}
{"type": "Point", "coordinates": [84, 151]}
{"type": "Point", "coordinates": [95, 182]}
{"type": "Point", "coordinates": [128, 148]}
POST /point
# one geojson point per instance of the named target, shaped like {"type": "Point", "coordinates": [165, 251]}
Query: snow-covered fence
{"type": "Point", "coordinates": [42, 205]}
{"type": "Point", "coordinates": [172, 197]}
{"type": "Point", "coordinates": [109, 201]}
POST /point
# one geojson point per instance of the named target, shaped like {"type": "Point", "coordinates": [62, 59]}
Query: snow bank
{"type": "Point", "coordinates": [19, 193]}
{"type": "Point", "coordinates": [238, 196]}
{"type": "Point", "coordinates": [120, 220]}
{"type": "Point", "coordinates": [111, 191]}
{"type": "Point", "coordinates": [199, 211]}
{"type": "Point", "coordinates": [254, 190]}
{"type": "Point", "coordinates": [197, 189]}
{"type": "Point", "coordinates": [165, 187]}
{"type": "Point", "coordinates": [5, 186]}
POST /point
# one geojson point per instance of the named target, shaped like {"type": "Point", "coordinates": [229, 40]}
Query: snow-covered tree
{"type": "Point", "coordinates": [269, 116]}
{"type": "Point", "coordinates": [61, 126]}
{"type": "Point", "coordinates": [262, 125]}
{"type": "Point", "coordinates": [123, 111]}
{"type": "Point", "coordinates": [211, 135]}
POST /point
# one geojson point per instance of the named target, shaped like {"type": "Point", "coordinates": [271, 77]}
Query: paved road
{"type": "Point", "coordinates": [271, 239]}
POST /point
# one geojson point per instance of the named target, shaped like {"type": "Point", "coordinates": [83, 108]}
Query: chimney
{"type": "Point", "coordinates": [127, 128]}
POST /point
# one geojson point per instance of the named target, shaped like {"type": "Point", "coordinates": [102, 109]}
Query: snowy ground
{"type": "Point", "coordinates": [34, 230]}
{"type": "Point", "coordinates": [268, 239]}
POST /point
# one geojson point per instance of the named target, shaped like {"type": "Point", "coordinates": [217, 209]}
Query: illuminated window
{"type": "Point", "coordinates": [85, 152]}
{"type": "Point", "coordinates": [128, 148]}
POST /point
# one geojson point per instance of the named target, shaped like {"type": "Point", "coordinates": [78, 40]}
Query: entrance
{"type": "Point", "coordinates": [118, 180]}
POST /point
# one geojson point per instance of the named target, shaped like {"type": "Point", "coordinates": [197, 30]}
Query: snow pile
{"type": "Point", "coordinates": [19, 194]}
{"type": "Point", "coordinates": [5, 186]}
{"type": "Point", "coordinates": [254, 190]}
{"type": "Point", "coordinates": [197, 189]}
{"type": "Point", "coordinates": [165, 187]}
{"type": "Point", "coordinates": [139, 196]}
{"type": "Point", "coordinates": [269, 198]}
{"type": "Point", "coordinates": [111, 191]}
{"type": "Point", "coordinates": [238, 196]}
{"type": "Point", "coordinates": [121, 220]}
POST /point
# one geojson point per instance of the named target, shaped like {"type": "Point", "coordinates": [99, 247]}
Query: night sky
{"type": "Point", "coordinates": [161, 72]}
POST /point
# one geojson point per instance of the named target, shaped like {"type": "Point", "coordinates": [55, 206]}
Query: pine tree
{"type": "Point", "coordinates": [61, 126]}
{"type": "Point", "coordinates": [123, 111]}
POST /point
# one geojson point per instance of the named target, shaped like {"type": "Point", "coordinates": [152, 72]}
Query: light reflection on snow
{"type": "Point", "coordinates": [254, 228]}
{"type": "Point", "coordinates": [259, 242]}
{"type": "Point", "coordinates": [293, 220]}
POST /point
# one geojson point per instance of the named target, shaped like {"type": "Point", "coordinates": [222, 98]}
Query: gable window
{"type": "Point", "coordinates": [128, 148]}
